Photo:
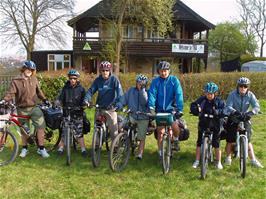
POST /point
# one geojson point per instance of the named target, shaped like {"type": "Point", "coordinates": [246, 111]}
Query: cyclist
{"type": "Point", "coordinates": [238, 105]}
{"type": "Point", "coordinates": [166, 95]}
{"type": "Point", "coordinates": [136, 98]}
{"type": "Point", "coordinates": [72, 95]}
{"type": "Point", "coordinates": [209, 104]}
{"type": "Point", "coordinates": [109, 92]}
{"type": "Point", "coordinates": [26, 89]}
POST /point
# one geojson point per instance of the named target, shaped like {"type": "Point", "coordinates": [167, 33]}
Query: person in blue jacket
{"type": "Point", "coordinates": [210, 104]}
{"type": "Point", "coordinates": [136, 98]}
{"type": "Point", "coordinates": [109, 92]}
{"type": "Point", "coordinates": [241, 104]}
{"type": "Point", "coordinates": [166, 96]}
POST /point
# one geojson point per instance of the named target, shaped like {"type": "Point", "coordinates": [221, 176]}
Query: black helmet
{"type": "Point", "coordinates": [163, 65]}
{"type": "Point", "coordinates": [29, 65]}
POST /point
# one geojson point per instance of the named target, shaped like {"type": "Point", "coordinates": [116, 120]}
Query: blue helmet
{"type": "Point", "coordinates": [73, 72]}
{"type": "Point", "coordinates": [142, 79]}
{"type": "Point", "coordinates": [211, 87]}
{"type": "Point", "coordinates": [29, 65]}
{"type": "Point", "coordinates": [163, 65]}
{"type": "Point", "coordinates": [243, 81]}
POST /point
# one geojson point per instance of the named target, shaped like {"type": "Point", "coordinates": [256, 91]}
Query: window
{"type": "Point", "coordinates": [58, 61]}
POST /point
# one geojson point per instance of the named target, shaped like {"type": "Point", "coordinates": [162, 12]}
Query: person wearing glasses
{"type": "Point", "coordinates": [241, 103]}
{"type": "Point", "coordinates": [109, 93]}
{"type": "Point", "coordinates": [25, 89]}
{"type": "Point", "coordinates": [72, 95]}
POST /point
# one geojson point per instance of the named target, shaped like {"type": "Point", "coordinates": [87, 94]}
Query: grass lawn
{"type": "Point", "coordinates": [35, 177]}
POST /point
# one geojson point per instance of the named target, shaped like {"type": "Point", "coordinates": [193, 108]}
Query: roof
{"type": "Point", "coordinates": [89, 18]}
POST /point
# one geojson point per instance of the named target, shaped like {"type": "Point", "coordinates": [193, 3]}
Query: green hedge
{"type": "Point", "coordinates": [192, 83]}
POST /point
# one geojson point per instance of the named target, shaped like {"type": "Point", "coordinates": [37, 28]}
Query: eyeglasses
{"type": "Point", "coordinates": [243, 86]}
{"type": "Point", "coordinates": [73, 78]}
{"type": "Point", "coordinates": [105, 70]}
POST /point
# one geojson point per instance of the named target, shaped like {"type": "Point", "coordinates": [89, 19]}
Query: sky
{"type": "Point", "coordinates": [214, 11]}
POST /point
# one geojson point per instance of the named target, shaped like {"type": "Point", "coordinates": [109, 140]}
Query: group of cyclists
{"type": "Point", "coordinates": [165, 95]}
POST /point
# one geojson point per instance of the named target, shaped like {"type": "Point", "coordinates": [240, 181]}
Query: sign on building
{"type": "Point", "coordinates": [187, 48]}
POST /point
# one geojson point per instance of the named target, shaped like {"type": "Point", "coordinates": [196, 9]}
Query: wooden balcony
{"type": "Point", "coordinates": [151, 47]}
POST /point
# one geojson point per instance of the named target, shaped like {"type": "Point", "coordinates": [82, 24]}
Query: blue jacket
{"type": "Point", "coordinates": [136, 100]}
{"type": "Point", "coordinates": [165, 95]}
{"type": "Point", "coordinates": [109, 91]}
{"type": "Point", "coordinates": [241, 103]}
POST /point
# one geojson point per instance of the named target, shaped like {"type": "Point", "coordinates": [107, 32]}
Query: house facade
{"type": "Point", "coordinates": [142, 49]}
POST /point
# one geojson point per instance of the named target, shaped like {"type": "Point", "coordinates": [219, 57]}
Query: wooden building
{"type": "Point", "coordinates": [142, 48]}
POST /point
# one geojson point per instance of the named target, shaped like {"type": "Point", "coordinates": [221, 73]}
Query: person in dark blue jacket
{"type": "Point", "coordinates": [136, 98]}
{"type": "Point", "coordinates": [72, 95]}
{"type": "Point", "coordinates": [166, 96]}
{"type": "Point", "coordinates": [213, 105]}
{"type": "Point", "coordinates": [109, 92]}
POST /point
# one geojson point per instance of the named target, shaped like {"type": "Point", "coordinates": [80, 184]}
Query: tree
{"type": "Point", "coordinates": [33, 22]}
{"type": "Point", "coordinates": [228, 40]}
{"type": "Point", "coordinates": [155, 15]}
{"type": "Point", "coordinates": [253, 15]}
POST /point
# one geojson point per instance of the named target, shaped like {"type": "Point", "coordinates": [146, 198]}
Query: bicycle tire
{"type": "Point", "coordinates": [119, 152]}
{"type": "Point", "coordinates": [96, 147]}
{"type": "Point", "coordinates": [204, 158]}
{"type": "Point", "coordinates": [166, 153]}
{"type": "Point", "coordinates": [8, 147]}
{"type": "Point", "coordinates": [51, 139]}
{"type": "Point", "coordinates": [242, 156]}
{"type": "Point", "coordinates": [68, 145]}
{"type": "Point", "coordinates": [107, 140]}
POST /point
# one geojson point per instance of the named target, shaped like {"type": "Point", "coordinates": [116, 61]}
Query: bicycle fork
{"type": "Point", "coordinates": [238, 144]}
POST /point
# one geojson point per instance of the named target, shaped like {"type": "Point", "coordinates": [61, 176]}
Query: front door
{"type": "Point", "coordinates": [89, 65]}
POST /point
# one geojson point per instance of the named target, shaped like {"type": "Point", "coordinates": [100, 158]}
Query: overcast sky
{"type": "Point", "coordinates": [215, 11]}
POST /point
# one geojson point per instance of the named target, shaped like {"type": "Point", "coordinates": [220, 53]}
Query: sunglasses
{"type": "Point", "coordinates": [243, 86]}
{"type": "Point", "coordinates": [73, 78]}
{"type": "Point", "coordinates": [105, 70]}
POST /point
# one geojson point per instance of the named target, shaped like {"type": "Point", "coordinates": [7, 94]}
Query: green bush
{"type": "Point", "coordinates": [192, 84]}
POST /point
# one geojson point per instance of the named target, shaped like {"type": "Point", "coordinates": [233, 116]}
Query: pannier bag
{"type": "Point", "coordinates": [53, 117]}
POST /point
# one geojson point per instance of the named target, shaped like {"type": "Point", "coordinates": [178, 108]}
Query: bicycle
{"type": "Point", "coordinates": [123, 142]}
{"type": "Point", "coordinates": [8, 140]}
{"type": "Point", "coordinates": [101, 135]}
{"type": "Point", "coordinates": [68, 131]}
{"type": "Point", "coordinates": [206, 154]}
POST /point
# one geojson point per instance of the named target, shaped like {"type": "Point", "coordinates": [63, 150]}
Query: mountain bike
{"type": "Point", "coordinates": [68, 130]}
{"type": "Point", "coordinates": [125, 142]}
{"type": "Point", "coordinates": [101, 135]}
{"type": "Point", "coordinates": [206, 154]}
{"type": "Point", "coordinates": [11, 128]}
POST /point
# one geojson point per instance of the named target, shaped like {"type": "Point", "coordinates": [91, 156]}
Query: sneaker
{"type": "Point", "coordinates": [23, 153]}
{"type": "Point", "coordinates": [175, 145]}
{"type": "Point", "coordinates": [256, 163]}
{"type": "Point", "coordinates": [60, 151]}
{"type": "Point", "coordinates": [84, 154]}
{"type": "Point", "coordinates": [139, 157]}
{"type": "Point", "coordinates": [219, 166]}
{"type": "Point", "coordinates": [43, 153]}
{"type": "Point", "coordinates": [228, 161]}
{"type": "Point", "coordinates": [195, 164]}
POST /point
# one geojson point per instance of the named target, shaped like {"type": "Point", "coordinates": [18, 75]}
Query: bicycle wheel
{"type": "Point", "coordinates": [68, 145]}
{"type": "Point", "coordinates": [242, 156]}
{"type": "Point", "coordinates": [166, 153]}
{"type": "Point", "coordinates": [119, 152]}
{"type": "Point", "coordinates": [52, 139]}
{"type": "Point", "coordinates": [107, 140]}
{"type": "Point", "coordinates": [8, 147]}
{"type": "Point", "coordinates": [96, 147]}
{"type": "Point", "coordinates": [204, 158]}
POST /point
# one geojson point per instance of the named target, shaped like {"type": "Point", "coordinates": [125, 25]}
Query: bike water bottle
{"type": "Point", "coordinates": [26, 128]}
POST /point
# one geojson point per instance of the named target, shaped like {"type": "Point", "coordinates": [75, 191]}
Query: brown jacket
{"type": "Point", "coordinates": [26, 91]}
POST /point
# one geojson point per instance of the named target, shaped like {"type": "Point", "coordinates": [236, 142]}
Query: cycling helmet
{"type": "Point", "coordinates": [243, 81]}
{"type": "Point", "coordinates": [163, 65]}
{"type": "Point", "coordinates": [73, 72]}
{"type": "Point", "coordinates": [211, 87]}
{"type": "Point", "coordinates": [142, 79]}
{"type": "Point", "coordinates": [105, 65]}
{"type": "Point", "coordinates": [29, 65]}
